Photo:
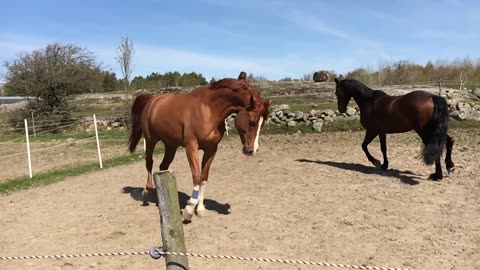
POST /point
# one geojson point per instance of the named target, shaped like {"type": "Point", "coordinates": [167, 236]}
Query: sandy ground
{"type": "Point", "coordinates": [307, 197]}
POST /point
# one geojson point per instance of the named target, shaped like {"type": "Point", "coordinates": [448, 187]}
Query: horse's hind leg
{"type": "Point", "coordinates": [149, 164]}
{"type": "Point", "coordinates": [448, 157]}
{"type": "Point", "coordinates": [383, 147]}
{"type": "Point", "coordinates": [438, 175]}
{"type": "Point", "coordinates": [168, 157]}
{"type": "Point", "coordinates": [369, 136]}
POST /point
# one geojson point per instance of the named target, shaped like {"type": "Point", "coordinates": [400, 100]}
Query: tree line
{"type": "Point", "coordinates": [170, 79]}
{"type": "Point", "coordinates": [461, 71]}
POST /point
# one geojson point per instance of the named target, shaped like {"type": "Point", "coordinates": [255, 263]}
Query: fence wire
{"type": "Point", "coordinates": [158, 252]}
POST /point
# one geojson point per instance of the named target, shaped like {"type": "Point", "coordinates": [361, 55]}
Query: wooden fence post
{"type": "Point", "coordinates": [440, 87]}
{"type": "Point", "coordinates": [171, 221]}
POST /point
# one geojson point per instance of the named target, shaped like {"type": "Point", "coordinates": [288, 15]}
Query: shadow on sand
{"type": "Point", "coordinates": [406, 177]}
{"type": "Point", "coordinates": [211, 205]}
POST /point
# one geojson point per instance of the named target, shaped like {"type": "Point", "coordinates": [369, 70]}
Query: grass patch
{"type": "Point", "coordinates": [342, 125]}
{"type": "Point", "coordinates": [54, 176]}
{"type": "Point", "coordinates": [463, 123]}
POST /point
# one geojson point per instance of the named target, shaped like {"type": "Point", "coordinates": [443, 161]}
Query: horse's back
{"type": "Point", "coordinates": [403, 113]}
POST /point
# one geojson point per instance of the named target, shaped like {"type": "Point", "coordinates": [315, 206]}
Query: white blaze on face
{"type": "Point", "coordinates": [255, 146]}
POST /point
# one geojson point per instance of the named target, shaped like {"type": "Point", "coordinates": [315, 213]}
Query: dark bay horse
{"type": "Point", "coordinates": [381, 114]}
{"type": "Point", "coordinates": [196, 121]}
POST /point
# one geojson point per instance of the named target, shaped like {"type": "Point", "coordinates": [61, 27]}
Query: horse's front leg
{"type": "Point", "coordinates": [369, 136]}
{"type": "Point", "coordinates": [208, 156]}
{"type": "Point", "coordinates": [192, 156]}
{"type": "Point", "coordinates": [383, 147]}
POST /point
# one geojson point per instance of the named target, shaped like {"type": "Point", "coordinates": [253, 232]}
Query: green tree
{"type": "Point", "coordinates": [52, 74]}
{"type": "Point", "coordinates": [110, 81]}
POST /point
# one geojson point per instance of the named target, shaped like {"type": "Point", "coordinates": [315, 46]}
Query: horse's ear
{"type": "Point", "coordinates": [337, 81]}
{"type": "Point", "coordinates": [242, 76]}
{"type": "Point", "coordinates": [268, 103]}
{"type": "Point", "coordinates": [251, 106]}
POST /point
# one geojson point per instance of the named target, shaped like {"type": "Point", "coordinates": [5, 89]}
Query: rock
{"type": "Point", "coordinates": [318, 126]}
{"type": "Point", "coordinates": [116, 124]}
{"type": "Point", "coordinates": [329, 112]}
{"type": "Point", "coordinates": [462, 116]}
{"type": "Point", "coordinates": [328, 118]}
{"type": "Point", "coordinates": [280, 107]}
{"type": "Point", "coordinates": [476, 92]}
{"type": "Point", "coordinates": [276, 120]}
{"type": "Point", "coordinates": [463, 107]}
{"type": "Point", "coordinates": [351, 111]}
{"type": "Point", "coordinates": [306, 116]}
{"type": "Point", "coordinates": [70, 141]}
{"type": "Point", "coordinates": [103, 123]}
{"type": "Point", "coordinates": [453, 102]}
{"type": "Point", "coordinates": [321, 76]}
{"type": "Point", "coordinates": [290, 115]}
{"type": "Point", "coordinates": [299, 115]}
{"type": "Point", "coordinates": [291, 123]}
{"type": "Point", "coordinates": [279, 114]}
{"type": "Point", "coordinates": [472, 96]}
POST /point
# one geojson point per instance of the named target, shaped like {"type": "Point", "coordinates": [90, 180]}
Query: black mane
{"type": "Point", "coordinates": [358, 90]}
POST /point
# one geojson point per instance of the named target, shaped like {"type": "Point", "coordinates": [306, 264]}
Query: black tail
{"type": "Point", "coordinates": [434, 133]}
{"type": "Point", "coordinates": [136, 130]}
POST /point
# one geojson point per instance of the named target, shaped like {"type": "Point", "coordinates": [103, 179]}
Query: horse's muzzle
{"type": "Point", "coordinates": [247, 151]}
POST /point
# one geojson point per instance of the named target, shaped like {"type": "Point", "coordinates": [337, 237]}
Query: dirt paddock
{"type": "Point", "coordinates": [305, 197]}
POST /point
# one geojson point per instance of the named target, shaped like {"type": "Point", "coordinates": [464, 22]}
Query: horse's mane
{"type": "Point", "coordinates": [233, 84]}
{"type": "Point", "coordinates": [357, 88]}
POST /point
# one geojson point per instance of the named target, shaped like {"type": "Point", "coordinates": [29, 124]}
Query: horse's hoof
{"type": "Point", "coordinates": [384, 166]}
{"type": "Point", "coordinates": [376, 163]}
{"type": "Point", "coordinates": [202, 212]}
{"type": "Point", "coordinates": [451, 170]}
{"type": "Point", "coordinates": [146, 192]}
{"type": "Point", "coordinates": [434, 177]}
{"type": "Point", "coordinates": [187, 213]}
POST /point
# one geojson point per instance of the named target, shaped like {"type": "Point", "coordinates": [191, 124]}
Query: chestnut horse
{"type": "Point", "coordinates": [196, 121]}
{"type": "Point", "coordinates": [381, 114]}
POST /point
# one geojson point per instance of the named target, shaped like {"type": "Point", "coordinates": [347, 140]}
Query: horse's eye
{"type": "Point", "coordinates": [252, 123]}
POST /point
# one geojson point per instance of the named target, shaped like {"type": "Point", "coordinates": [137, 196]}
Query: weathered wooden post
{"type": "Point", "coordinates": [440, 87]}
{"type": "Point", "coordinates": [171, 221]}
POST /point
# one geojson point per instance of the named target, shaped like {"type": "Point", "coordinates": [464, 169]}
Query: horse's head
{"type": "Point", "coordinates": [343, 97]}
{"type": "Point", "coordinates": [248, 123]}
{"type": "Point", "coordinates": [251, 119]}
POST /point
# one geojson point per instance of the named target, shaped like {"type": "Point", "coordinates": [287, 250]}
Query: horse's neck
{"type": "Point", "coordinates": [363, 96]}
{"type": "Point", "coordinates": [224, 105]}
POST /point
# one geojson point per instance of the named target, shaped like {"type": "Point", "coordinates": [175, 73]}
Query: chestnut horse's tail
{"type": "Point", "coordinates": [136, 130]}
{"type": "Point", "coordinates": [434, 133]}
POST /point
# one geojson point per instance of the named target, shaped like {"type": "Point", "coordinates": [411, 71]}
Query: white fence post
{"type": "Point", "coordinates": [98, 142]}
{"type": "Point", "coordinates": [28, 150]}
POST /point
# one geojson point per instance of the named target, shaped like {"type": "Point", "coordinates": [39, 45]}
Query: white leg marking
{"type": "Point", "coordinates": [201, 211]}
{"type": "Point", "coordinates": [192, 202]}
{"type": "Point", "coordinates": [255, 146]}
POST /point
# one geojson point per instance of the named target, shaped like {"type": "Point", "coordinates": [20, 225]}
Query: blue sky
{"type": "Point", "coordinates": [273, 38]}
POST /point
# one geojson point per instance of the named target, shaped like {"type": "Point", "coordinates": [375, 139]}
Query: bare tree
{"type": "Point", "coordinates": [463, 80]}
{"type": "Point", "coordinates": [124, 57]}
